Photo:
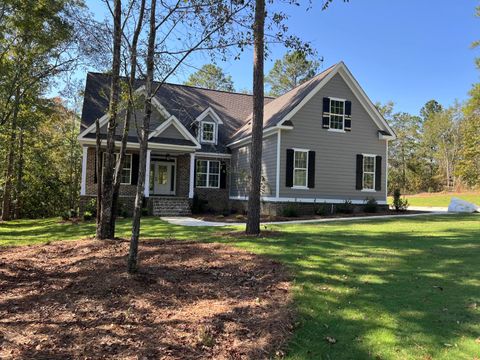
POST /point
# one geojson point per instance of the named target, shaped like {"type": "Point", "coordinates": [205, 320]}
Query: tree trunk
{"type": "Point", "coordinates": [9, 173]}
{"type": "Point", "coordinates": [103, 228]}
{"type": "Point", "coordinates": [253, 220]}
{"type": "Point", "coordinates": [98, 169]}
{"type": "Point", "coordinates": [18, 191]}
{"type": "Point", "coordinates": [126, 126]}
{"type": "Point", "coordinates": [132, 266]}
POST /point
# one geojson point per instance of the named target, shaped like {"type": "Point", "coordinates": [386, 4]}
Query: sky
{"type": "Point", "coordinates": [406, 51]}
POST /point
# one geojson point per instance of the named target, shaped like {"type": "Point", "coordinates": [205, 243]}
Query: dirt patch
{"type": "Point", "coordinates": [266, 218]}
{"type": "Point", "coordinates": [72, 300]}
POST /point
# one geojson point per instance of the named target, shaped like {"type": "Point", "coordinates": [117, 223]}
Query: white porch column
{"type": "Point", "coordinates": [147, 175]}
{"type": "Point", "coordinates": [192, 175]}
{"type": "Point", "coordinates": [83, 187]}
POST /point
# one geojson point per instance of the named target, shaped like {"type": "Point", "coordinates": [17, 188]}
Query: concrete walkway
{"type": "Point", "coordinates": [189, 221]}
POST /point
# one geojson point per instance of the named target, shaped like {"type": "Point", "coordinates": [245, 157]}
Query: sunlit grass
{"type": "Point", "coordinates": [439, 199]}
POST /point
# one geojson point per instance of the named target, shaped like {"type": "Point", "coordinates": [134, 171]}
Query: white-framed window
{"type": "Point", "coordinates": [208, 132]}
{"type": "Point", "coordinates": [337, 114]}
{"type": "Point", "coordinates": [369, 172]}
{"type": "Point", "coordinates": [126, 173]}
{"type": "Point", "coordinates": [300, 168]}
{"type": "Point", "coordinates": [208, 174]}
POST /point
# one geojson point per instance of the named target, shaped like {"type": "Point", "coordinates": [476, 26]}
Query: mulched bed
{"type": "Point", "coordinates": [74, 300]}
{"type": "Point", "coordinates": [267, 218]}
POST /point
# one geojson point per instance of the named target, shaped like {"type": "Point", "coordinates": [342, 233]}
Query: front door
{"type": "Point", "coordinates": [162, 178]}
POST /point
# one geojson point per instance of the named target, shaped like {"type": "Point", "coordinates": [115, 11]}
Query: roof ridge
{"type": "Point", "coordinates": [188, 86]}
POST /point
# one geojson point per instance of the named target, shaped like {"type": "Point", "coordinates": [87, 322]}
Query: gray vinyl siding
{"type": "Point", "coordinates": [171, 132]}
{"type": "Point", "coordinates": [135, 121]}
{"type": "Point", "coordinates": [335, 165]}
{"type": "Point", "coordinates": [240, 164]}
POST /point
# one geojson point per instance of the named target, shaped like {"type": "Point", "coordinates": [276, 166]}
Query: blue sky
{"type": "Point", "coordinates": [408, 51]}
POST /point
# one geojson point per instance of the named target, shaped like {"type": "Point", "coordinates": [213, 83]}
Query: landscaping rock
{"type": "Point", "coordinates": [462, 206]}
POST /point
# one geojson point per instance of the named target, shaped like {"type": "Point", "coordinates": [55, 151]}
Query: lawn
{"type": "Point", "coordinates": [439, 199]}
{"type": "Point", "coordinates": [380, 289]}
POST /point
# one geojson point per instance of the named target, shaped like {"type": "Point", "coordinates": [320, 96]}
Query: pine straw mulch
{"type": "Point", "coordinates": [74, 300]}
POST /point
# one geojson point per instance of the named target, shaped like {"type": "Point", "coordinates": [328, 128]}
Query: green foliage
{"type": "Point", "coordinates": [371, 205]}
{"type": "Point", "coordinates": [87, 216]}
{"type": "Point", "coordinates": [292, 70]}
{"type": "Point", "coordinates": [290, 210]}
{"type": "Point", "coordinates": [323, 209]}
{"type": "Point", "coordinates": [91, 206]}
{"type": "Point", "coordinates": [345, 208]}
{"type": "Point", "coordinates": [399, 203]}
{"type": "Point", "coordinates": [211, 76]}
{"type": "Point", "coordinates": [65, 215]}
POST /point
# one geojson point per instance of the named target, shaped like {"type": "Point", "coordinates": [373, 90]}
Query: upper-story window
{"type": "Point", "coordinates": [208, 132]}
{"type": "Point", "coordinates": [369, 172]}
{"type": "Point", "coordinates": [337, 114]}
{"type": "Point", "coordinates": [300, 168]}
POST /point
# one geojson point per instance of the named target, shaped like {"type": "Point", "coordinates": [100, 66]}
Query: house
{"type": "Point", "coordinates": [323, 142]}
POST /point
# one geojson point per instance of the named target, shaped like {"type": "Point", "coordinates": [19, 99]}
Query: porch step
{"type": "Point", "coordinates": [171, 206]}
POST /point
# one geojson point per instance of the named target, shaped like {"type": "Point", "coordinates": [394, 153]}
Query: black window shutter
{"type": "Point", "coordinates": [223, 175]}
{"type": "Point", "coordinates": [326, 113]}
{"type": "Point", "coordinates": [289, 168]}
{"type": "Point", "coordinates": [195, 173]}
{"type": "Point", "coordinates": [172, 179]}
{"type": "Point", "coordinates": [311, 169]}
{"type": "Point", "coordinates": [135, 167]}
{"type": "Point", "coordinates": [348, 115]}
{"type": "Point", "coordinates": [359, 181]}
{"type": "Point", "coordinates": [378, 173]}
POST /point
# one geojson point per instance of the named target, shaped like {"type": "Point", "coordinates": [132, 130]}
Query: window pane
{"type": "Point", "coordinates": [368, 181]}
{"type": "Point", "coordinates": [300, 178]}
{"type": "Point", "coordinates": [208, 132]}
{"type": "Point", "coordinates": [201, 179]}
{"type": "Point", "coordinates": [336, 107]}
{"type": "Point", "coordinates": [300, 159]}
{"type": "Point", "coordinates": [214, 167]}
{"type": "Point", "coordinates": [202, 166]}
{"type": "Point", "coordinates": [162, 174]}
{"type": "Point", "coordinates": [125, 176]}
{"type": "Point", "coordinates": [213, 180]}
{"type": "Point", "coordinates": [336, 122]}
{"type": "Point", "coordinates": [368, 164]}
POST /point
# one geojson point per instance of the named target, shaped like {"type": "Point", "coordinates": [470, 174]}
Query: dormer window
{"type": "Point", "coordinates": [208, 132]}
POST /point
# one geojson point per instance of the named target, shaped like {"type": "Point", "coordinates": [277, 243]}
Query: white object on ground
{"type": "Point", "coordinates": [462, 206]}
{"type": "Point", "coordinates": [189, 221]}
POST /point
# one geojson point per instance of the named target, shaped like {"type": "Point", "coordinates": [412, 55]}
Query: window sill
{"type": "Point", "coordinates": [207, 187]}
{"type": "Point", "coordinates": [337, 130]}
{"type": "Point", "coordinates": [300, 187]}
{"type": "Point", "coordinates": [369, 190]}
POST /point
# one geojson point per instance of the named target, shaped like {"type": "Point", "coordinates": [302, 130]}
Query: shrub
{"type": "Point", "coordinates": [346, 207]}
{"type": "Point", "coordinates": [399, 203]}
{"type": "Point", "coordinates": [371, 205]}
{"type": "Point", "coordinates": [198, 205]}
{"type": "Point", "coordinates": [144, 211]}
{"type": "Point", "coordinates": [290, 211]}
{"type": "Point", "coordinates": [91, 207]}
{"type": "Point", "coordinates": [73, 213]}
{"type": "Point", "coordinates": [65, 215]}
{"type": "Point", "coordinates": [323, 209]}
{"type": "Point", "coordinates": [87, 216]}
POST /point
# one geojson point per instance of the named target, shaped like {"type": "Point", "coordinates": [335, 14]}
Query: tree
{"type": "Point", "coordinates": [36, 44]}
{"type": "Point", "coordinates": [253, 219]}
{"type": "Point", "coordinates": [292, 70]}
{"type": "Point", "coordinates": [211, 76]}
{"type": "Point", "coordinates": [431, 108]}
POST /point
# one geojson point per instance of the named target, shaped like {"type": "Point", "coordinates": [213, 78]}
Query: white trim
{"type": "Point", "coordinates": [298, 149]}
{"type": "Point", "coordinates": [267, 132]}
{"type": "Point", "coordinates": [306, 200]}
{"type": "Point", "coordinates": [146, 192]}
{"type": "Point", "coordinates": [152, 146]}
{"type": "Point", "coordinates": [173, 165]}
{"type": "Point", "coordinates": [214, 155]}
{"type": "Point", "coordinates": [342, 69]}
{"type": "Point", "coordinates": [192, 176]}
{"type": "Point", "coordinates": [172, 120]}
{"type": "Point", "coordinates": [83, 188]}
{"type": "Point", "coordinates": [277, 173]}
{"type": "Point", "coordinates": [212, 112]}
{"type": "Point", "coordinates": [386, 137]}
{"type": "Point", "coordinates": [337, 130]}
{"type": "Point", "coordinates": [298, 187]}
{"type": "Point", "coordinates": [386, 170]}
{"type": "Point", "coordinates": [330, 114]}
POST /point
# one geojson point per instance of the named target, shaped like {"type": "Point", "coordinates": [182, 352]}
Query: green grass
{"type": "Point", "coordinates": [438, 199]}
{"type": "Point", "coordinates": [384, 289]}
